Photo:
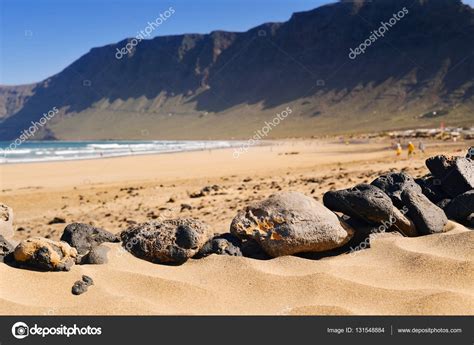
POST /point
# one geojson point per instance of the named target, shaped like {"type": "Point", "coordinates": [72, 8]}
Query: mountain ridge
{"type": "Point", "coordinates": [227, 84]}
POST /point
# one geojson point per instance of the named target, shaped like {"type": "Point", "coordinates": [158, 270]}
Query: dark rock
{"type": "Point", "coordinates": [5, 248]}
{"type": "Point", "coordinates": [393, 184]}
{"type": "Point", "coordinates": [205, 191]}
{"type": "Point", "coordinates": [186, 207]}
{"type": "Point", "coordinates": [289, 223]}
{"type": "Point", "coordinates": [199, 194]}
{"type": "Point", "coordinates": [79, 287]}
{"type": "Point", "coordinates": [84, 237]}
{"type": "Point", "coordinates": [251, 249]}
{"type": "Point", "coordinates": [428, 218]}
{"type": "Point", "coordinates": [186, 237]}
{"type": "Point", "coordinates": [364, 201]}
{"type": "Point", "coordinates": [96, 256]}
{"type": "Point", "coordinates": [44, 254]}
{"type": "Point", "coordinates": [88, 280]}
{"type": "Point", "coordinates": [57, 220]}
{"type": "Point", "coordinates": [443, 203]}
{"type": "Point", "coordinates": [209, 189]}
{"type": "Point", "coordinates": [431, 187]}
{"type": "Point", "coordinates": [470, 221]}
{"type": "Point", "coordinates": [82, 286]}
{"type": "Point", "coordinates": [454, 174]}
{"type": "Point", "coordinates": [461, 207]}
{"type": "Point", "coordinates": [362, 232]}
{"type": "Point", "coordinates": [369, 204]}
{"type": "Point", "coordinates": [171, 241]}
{"type": "Point", "coordinates": [221, 244]}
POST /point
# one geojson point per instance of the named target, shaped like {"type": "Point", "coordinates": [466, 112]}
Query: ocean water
{"type": "Point", "coordinates": [43, 151]}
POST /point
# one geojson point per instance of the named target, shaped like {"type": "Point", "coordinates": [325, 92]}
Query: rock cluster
{"type": "Point", "coordinates": [455, 175]}
{"type": "Point", "coordinates": [419, 206]}
{"type": "Point", "coordinates": [397, 202]}
{"type": "Point", "coordinates": [82, 286]}
{"type": "Point", "coordinates": [286, 223]}
{"type": "Point", "coordinates": [79, 244]}
{"type": "Point", "coordinates": [450, 185]}
{"type": "Point", "coordinates": [205, 191]}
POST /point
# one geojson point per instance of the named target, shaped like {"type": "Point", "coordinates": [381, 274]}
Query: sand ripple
{"type": "Point", "coordinates": [428, 275]}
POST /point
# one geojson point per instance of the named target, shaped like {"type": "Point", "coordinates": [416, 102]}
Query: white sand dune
{"type": "Point", "coordinates": [429, 275]}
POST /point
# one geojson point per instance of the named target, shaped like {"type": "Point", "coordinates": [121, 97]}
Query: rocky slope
{"type": "Point", "coordinates": [226, 85]}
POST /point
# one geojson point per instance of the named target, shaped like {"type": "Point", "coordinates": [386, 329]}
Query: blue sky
{"type": "Point", "coordinates": [39, 38]}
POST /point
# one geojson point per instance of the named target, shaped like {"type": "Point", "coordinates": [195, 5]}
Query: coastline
{"type": "Point", "coordinates": [261, 157]}
{"type": "Point", "coordinates": [393, 277]}
{"type": "Point", "coordinates": [134, 153]}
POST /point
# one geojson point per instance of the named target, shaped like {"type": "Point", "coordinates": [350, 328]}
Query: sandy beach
{"type": "Point", "coordinates": [397, 275]}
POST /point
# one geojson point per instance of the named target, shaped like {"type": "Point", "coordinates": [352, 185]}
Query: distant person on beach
{"type": "Point", "coordinates": [421, 146]}
{"type": "Point", "coordinates": [399, 149]}
{"type": "Point", "coordinates": [411, 149]}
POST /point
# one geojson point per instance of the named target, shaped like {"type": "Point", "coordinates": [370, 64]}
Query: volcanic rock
{"type": "Point", "coordinates": [171, 241]}
{"type": "Point", "coordinates": [84, 237]}
{"type": "Point", "coordinates": [461, 207]}
{"type": "Point", "coordinates": [288, 223]}
{"type": "Point", "coordinates": [221, 244]}
{"type": "Point", "coordinates": [44, 254]}
{"type": "Point", "coordinates": [428, 218]}
{"type": "Point", "coordinates": [394, 184]}
{"type": "Point", "coordinates": [370, 204]}
{"type": "Point", "coordinates": [454, 174]}
{"type": "Point", "coordinates": [96, 256]}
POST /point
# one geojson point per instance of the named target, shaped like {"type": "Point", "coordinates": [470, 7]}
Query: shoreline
{"type": "Point", "coordinates": [186, 164]}
{"type": "Point", "coordinates": [151, 153]}
{"type": "Point", "coordinates": [78, 190]}
{"type": "Point", "coordinates": [396, 276]}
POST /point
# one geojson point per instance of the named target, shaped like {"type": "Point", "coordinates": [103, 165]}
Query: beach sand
{"type": "Point", "coordinates": [424, 275]}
